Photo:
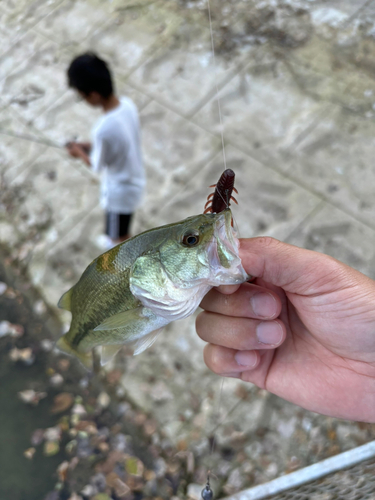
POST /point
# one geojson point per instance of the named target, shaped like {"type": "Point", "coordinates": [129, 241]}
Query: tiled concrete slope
{"type": "Point", "coordinates": [297, 93]}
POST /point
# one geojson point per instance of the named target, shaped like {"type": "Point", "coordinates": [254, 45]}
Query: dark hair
{"type": "Point", "coordinates": [88, 73]}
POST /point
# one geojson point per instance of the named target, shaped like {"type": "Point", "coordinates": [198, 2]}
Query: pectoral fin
{"type": "Point", "coordinates": [137, 328]}
{"type": "Point", "coordinates": [145, 342]}
{"type": "Point", "coordinates": [139, 345]}
{"type": "Point", "coordinates": [108, 352]}
{"type": "Point", "coordinates": [121, 320]}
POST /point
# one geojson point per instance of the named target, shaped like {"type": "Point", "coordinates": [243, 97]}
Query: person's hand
{"type": "Point", "coordinates": [304, 329]}
{"type": "Point", "coordinates": [78, 150]}
{"type": "Point", "coordinates": [86, 146]}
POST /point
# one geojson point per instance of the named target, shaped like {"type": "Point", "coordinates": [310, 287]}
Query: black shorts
{"type": "Point", "coordinates": [117, 225]}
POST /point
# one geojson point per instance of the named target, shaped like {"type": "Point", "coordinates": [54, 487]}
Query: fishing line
{"type": "Point", "coordinates": [207, 493]}
{"type": "Point", "coordinates": [217, 416]}
{"type": "Point", "coordinates": [217, 88]}
{"type": "Point", "coordinates": [31, 138]}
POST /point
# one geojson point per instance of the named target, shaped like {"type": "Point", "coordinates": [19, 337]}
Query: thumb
{"type": "Point", "coordinates": [295, 269]}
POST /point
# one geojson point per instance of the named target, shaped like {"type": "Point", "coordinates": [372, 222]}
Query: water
{"type": "Point", "coordinates": [21, 478]}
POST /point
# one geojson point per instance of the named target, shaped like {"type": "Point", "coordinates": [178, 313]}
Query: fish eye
{"type": "Point", "coordinates": [190, 239]}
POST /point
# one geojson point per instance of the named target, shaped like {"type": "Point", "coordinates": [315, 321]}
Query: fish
{"type": "Point", "coordinates": [129, 293]}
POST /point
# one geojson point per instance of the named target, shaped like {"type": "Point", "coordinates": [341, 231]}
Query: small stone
{"type": "Point", "coordinates": [149, 475]}
{"type": "Point", "coordinates": [56, 380]}
{"type": "Point", "coordinates": [52, 495]}
{"type": "Point", "coordinates": [37, 437]}
{"type": "Point", "coordinates": [87, 426]}
{"type": "Point", "coordinates": [89, 490]}
{"type": "Point", "coordinates": [74, 496]}
{"type": "Point", "coordinates": [84, 382]}
{"type": "Point", "coordinates": [161, 392]}
{"type": "Point", "coordinates": [99, 482]}
{"type": "Point", "coordinates": [120, 391]}
{"type": "Point", "coordinates": [121, 442]}
{"type": "Point", "coordinates": [160, 467]}
{"type": "Point", "coordinates": [103, 447]}
{"type": "Point", "coordinates": [7, 328]}
{"type": "Point", "coordinates": [194, 491]}
{"type": "Point", "coordinates": [29, 453]}
{"type": "Point", "coordinates": [51, 448]}
{"type": "Point", "coordinates": [70, 447]}
{"type": "Point", "coordinates": [63, 364]}
{"type": "Point", "coordinates": [31, 397]}
{"type": "Point", "coordinates": [79, 410]}
{"type": "Point", "coordinates": [235, 482]}
{"type": "Point", "coordinates": [114, 376]}
{"type": "Point", "coordinates": [40, 307]}
{"type": "Point", "coordinates": [123, 408]}
{"type": "Point", "coordinates": [103, 400]}
{"type": "Point", "coordinates": [10, 293]}
{"type": "Point", "coordinates": [64, 423]}
{"type": "Point", "coordinates": [84, 448]}
{"type": "Point", "coordinates": [52, 434]}
{"type": "Point", "coordinates": [46, 345]}
{"type": "Point", "coordinates": [25, 355]}
{"type": "Point", "coordinates": [62, 471]}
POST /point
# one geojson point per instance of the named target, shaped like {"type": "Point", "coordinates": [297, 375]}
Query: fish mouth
{"type": "Point", "coordinates": [223, 253]}
{"type": "Point", "coordinates": [225, 232]}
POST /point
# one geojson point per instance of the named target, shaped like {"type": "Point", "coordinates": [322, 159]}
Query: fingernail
{"type": "Point", "coordinates": [246, 358]}
{"type": "Point", "coordinates": [269, 332]}
{"type": "Point", "coordinates": [264, 305]}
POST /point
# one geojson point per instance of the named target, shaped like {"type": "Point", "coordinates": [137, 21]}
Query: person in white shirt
{"type": "Point", "coordinates": [115, 151]}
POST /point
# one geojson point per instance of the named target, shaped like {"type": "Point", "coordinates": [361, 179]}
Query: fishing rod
{"type": "Point", "coordinates": [44, 142]}
{"type": "Point", "coordinates": [31, 138]}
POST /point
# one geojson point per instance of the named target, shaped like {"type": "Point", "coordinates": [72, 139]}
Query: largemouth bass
{"type": "Point", "coordinates": [128, 294]}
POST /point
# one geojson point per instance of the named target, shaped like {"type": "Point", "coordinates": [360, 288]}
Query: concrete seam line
{"type": "Point", "coordinates": [307, 474]}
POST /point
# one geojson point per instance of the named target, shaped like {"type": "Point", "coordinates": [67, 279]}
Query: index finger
{"type": "Point", "coordinates": [294, 269]}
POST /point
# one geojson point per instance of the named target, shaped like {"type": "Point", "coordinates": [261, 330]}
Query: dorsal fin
{"type": "Point", "coordinates": [65, 301]}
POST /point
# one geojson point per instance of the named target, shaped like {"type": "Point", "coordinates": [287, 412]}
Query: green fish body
{"type": "Point", "coordinates": [128, 294]}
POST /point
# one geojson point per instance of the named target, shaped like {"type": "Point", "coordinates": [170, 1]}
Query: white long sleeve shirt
{"type": "Point", "coordinates": [116, 155]}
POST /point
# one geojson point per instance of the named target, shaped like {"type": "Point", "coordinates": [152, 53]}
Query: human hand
{"type": "Point", "coordinates": [78, 150]}
{"type": "Point", "coordinates": [86, 146]}
{"type": "Point", "coordinates": [304, 329]}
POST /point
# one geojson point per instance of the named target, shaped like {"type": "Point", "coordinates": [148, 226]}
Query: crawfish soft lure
{"type": "Point", "coordinates": [220, 199]}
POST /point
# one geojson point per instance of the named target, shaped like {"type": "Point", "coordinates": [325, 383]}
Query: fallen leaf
{"type": "Point", "coordinates": [51, 448]}
{"type": "Point", "coordinates": [62, 402]}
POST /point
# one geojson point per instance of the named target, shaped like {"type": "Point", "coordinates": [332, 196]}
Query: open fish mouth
{"type": "Point", "coordinates": [224, 260]}
{"type": "Point", "coordinates": [226, 233]}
